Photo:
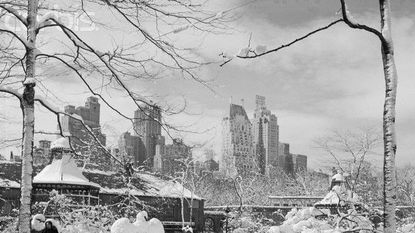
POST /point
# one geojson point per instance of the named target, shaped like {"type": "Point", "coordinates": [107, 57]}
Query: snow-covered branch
{"type": "Point", "coordinates": [79, 43]}
{"type": "Point", "coordinates": [16, 14]}
{"type": "Point", "coordinates": [12, 91]}
{"type": "Point", "coordinates": [260, 50]}
{"type": "Point", "coordinates": [248, 53]}
{"type": "Point", "coordinates": [348, 19]}
{"type": "Point", "coordinates": [21, 39]}
{"type": "Point", "coordinates": [46, 20]}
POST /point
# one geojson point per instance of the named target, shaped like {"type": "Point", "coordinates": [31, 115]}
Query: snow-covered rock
{"type": "Point", "coordinates": [141, 225]}
{"type": "Point", "coordinates": [38, 222]}
{"type": "Point", "coordinates": [155, 225]}
{"type": "Point", "coordinates": [152, 226]}
{"type": "Point", "coordinates": [141, 222]}
{"type": "Point", "coordinates": [123, 225]}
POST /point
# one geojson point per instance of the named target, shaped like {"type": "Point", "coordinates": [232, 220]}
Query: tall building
{"type": "Point", "coordinates": [147, 125]}
{"type": "Point", "coordinates": [81, 140]}
{"type": "Point", "coordinates": [158, 160]}
{"type": "Point", "coordinates": [299, 162]}
{"type": "Point", "coordinates": [266, 132]}
{"type": "Point", "coordinates": [237, 143]}
{"type": "Point", "coordinates": [260, 150]}
{"type": "Point", "coordinates": [174, 157]}
{"type": "Point", "coordinates": [90, 115]}
{"type": "Point", "coordinates": [292, 163]}
{"type": "Point", "coordinates": [131, 149]}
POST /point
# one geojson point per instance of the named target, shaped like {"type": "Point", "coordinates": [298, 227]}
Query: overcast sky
{"type": "Point", "coordinates": [332, 80]}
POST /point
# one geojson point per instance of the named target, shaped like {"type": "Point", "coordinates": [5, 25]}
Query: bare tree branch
{"type": "Point", "coordinates": [347, 18]}
{"type": "Point", "coordinates": [20, 17]}
{"type": "Point", "coordinates": [58, 113]}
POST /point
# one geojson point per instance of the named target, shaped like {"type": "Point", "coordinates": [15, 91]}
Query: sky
{"type": "Point", "coordinates": [331, 80]}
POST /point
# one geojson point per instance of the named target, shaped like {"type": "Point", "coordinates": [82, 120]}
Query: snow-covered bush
{"type": "Point", "coordinates": [246, 222]}
{"type": "Point", "coordinates": [313, 220]}
{"type": "Point", "coordinates": [8, 224]}
{"type": "Point", "coordinates": [94, 219]}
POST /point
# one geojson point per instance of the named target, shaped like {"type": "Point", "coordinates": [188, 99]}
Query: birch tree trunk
{"type": "Point", "coordinates": [389, 134]}
{"type": "Point", "coordinates": [27, 106]}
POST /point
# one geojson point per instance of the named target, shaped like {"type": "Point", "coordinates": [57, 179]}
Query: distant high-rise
{"type": "Point", "coordinates": [81, 140]}
{"type": "Point", "coordinates": [131, 149]}
{"type": "Point", "coordinates": [90, 114]}
{"type": "Point", "coordinates": [292, 163]}
{"type": "Point", "coordinates": [175, 156]}
{"type": "Point", "coordinates": [147, 125]}
{"type": "Point", "coordinates": [266, 132]}
{"type": "Point", "coordinates": [237, 143]}
{"type": "Point", "coordinates": [299, 163]}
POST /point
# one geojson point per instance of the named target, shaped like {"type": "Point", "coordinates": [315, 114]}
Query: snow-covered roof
{"type": "Point", "coordinates": [166, 188]}
{"type": "Point", "coordinates": [60, 143]}
{"type": "Point", "coordinates": [8, 183]}
{"type": "Point", "coordinates": [62, 171]}
{"type": "Point", "coordinates": [154, 186]}
{"type": "Point", "coordinates": [338, 177]}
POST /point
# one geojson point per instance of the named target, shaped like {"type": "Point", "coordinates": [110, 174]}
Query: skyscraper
{"type": "Point", "coordinates": [266, 132]}
{"type": "Point", "coordinates": [90, 114]}
{"type": "Point", "coordinates": [81, 140]}
{"type": "Point", "coordinates": [175, 156]}
{"type": "Point", "coordinates": [147, 125]}
{"type": "Point", "coordinates": [237, 143]}
{"type": "Point", "coordinates": [131, 149]}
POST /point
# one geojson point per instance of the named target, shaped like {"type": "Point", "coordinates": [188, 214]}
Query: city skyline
{"type": "Point", "coordinates": [207, 115]}
{"type": "Point", "coordinates": [310, 87]}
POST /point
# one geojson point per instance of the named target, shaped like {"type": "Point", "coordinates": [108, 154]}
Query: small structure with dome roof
{"type": "Point", "coordinates": [64, 176]}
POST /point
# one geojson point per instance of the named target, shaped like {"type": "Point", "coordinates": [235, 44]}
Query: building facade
{"type": "Point", "coordinates": [90, 115]}
{"type": "Point", "coordinates": [266, 135]}
{"type": "Point", "coordinates": [299, 163]}
{"type": "Point", "coordinates": [175, 157]}
{"type": "Point", "coordinates": [238, 155]}
{"type": "Point", "coordinates": [131, 149]}
{"type": "Point", "coordinates": [88, 149]}
{"type": "Point", "coordinates": [147, 125]}
{"type": "Point", "coordinates": [292, 163]}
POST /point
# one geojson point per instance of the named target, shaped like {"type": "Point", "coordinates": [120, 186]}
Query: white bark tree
{"type": "Point", "coordinates": [152, 22]}
{"type": "Point", "coordinates": [390, 76]}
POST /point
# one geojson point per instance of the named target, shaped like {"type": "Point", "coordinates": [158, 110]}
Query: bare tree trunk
{"type": "Point", "coordinates": [27, 106]}
{"type": "Point", "coordinates": [389, 134]}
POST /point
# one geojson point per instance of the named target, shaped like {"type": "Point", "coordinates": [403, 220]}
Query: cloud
{"type": "Point", "coordinates": [331, 79]}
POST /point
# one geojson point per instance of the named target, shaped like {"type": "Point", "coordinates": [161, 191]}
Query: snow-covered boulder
{"type": "Point", "coordinates": [38, 223]}
{"type": "Point", "coordinates": [123, 225]}
{"type": "Point", "coordinates": [141, 225]}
